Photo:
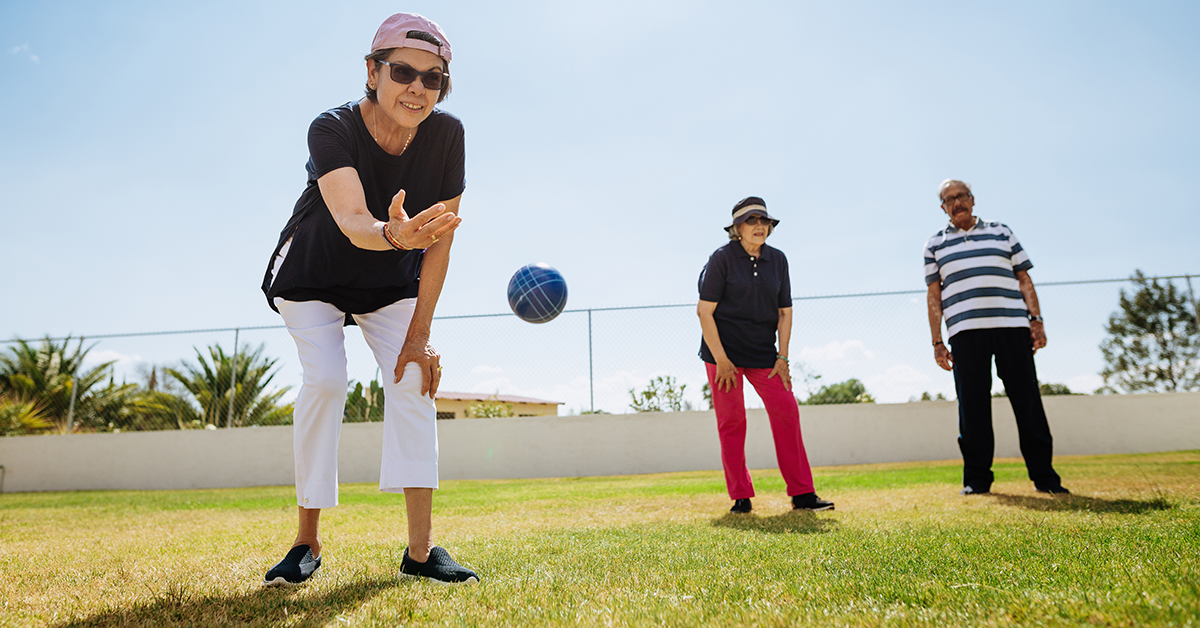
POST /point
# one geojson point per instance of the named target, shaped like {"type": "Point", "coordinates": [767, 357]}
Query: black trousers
{"type": "Point", "coordinates": [1012, 348]}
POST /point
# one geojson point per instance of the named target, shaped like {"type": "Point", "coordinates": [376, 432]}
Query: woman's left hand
{"type": "Point", "coordinates": [417, 349]}
{"type": "Point", "coordinates": [781, 369]}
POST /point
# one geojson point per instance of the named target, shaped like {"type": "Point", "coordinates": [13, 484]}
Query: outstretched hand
{"type": "Point", "coordinates": [424, 229]}
{"type": "Point", "coordinates": [419, 350]}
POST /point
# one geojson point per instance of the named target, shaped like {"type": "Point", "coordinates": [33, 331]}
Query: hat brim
{"type": "Point", "coordinates": [754, 212]}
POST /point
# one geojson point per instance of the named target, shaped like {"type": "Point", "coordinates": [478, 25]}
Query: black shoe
{"type": "Point", "coordinates": [740, 506]}
{"type": "Point", "coordinates": [298, 566]}
{"type": "Point", "coordinates": [1054, 490]}
{"type": "Point", "coordinates": [971, 490]}
{"type": "Point", "coordinates": [439, 568]}
{"type": "Point", "coordinates": [810, 501]}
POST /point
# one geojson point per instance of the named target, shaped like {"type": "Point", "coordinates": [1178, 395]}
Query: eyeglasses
{"type": "Point", "coordinates": [405, 74]}
{"type": "Point", "coordinates": [758, 220]}
{"type": "Point", "coordinates": [957, 197]}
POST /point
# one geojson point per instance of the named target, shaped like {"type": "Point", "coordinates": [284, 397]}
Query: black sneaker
{"type": "Point", "coordinates": [439, 568]}
{"type": "Point", "coordinates": [810, 501]}
{"type": "Point", "coordinates": [740, 506]}
{"type": "Point", "coordinates": [971, 490]}
{"type": "Point", "coordinates": [298, 566]}
{"type": "Point", "coordinates": [1053, 490]}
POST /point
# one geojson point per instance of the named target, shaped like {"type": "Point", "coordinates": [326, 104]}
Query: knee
{"type": "Point", "coordinates": [326, 382]}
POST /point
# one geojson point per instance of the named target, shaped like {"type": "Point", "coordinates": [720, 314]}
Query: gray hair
{"type": "Point", "coordinates": [949, 182]}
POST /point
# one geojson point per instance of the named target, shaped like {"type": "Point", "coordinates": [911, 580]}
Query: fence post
{"type": "Point", "coordinates": [74, 389]}
{"type": "Point", "coordinates": [232, 379]}
{"type": "Point", "coordinates": [591, 376]}
{"type": "Point", "coordinates": [1195, 303]}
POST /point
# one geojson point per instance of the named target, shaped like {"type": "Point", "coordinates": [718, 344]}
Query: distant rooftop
{"type": "Point", "coordinates": [472, 396]}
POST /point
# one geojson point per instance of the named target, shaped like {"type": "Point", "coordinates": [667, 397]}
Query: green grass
{"type": "Point", "coordinates": [902, 549]}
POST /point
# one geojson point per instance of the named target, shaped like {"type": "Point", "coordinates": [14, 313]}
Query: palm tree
{"type": "Point", "coordinates": [45, 376]}
{"type": "Point", "coordinates": [208, 382]}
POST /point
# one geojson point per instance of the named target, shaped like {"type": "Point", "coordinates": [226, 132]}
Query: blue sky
{"type": "Point", "coordinates": [151, 152]}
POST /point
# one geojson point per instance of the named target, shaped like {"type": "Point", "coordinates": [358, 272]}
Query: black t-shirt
{"type": "Point", "coordinates": [749, 292]}
{"type": "Point", "coordinates": [322, 264]}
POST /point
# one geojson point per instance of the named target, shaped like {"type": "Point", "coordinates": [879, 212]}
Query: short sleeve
{"type": "Point", "coordinates": [455, 179]}
{"type": "Point", "coordinates": [932, 275]}
{"type": "Point", "coordinates": [329, 142]}
{"type": "Point", "coordinates": [785, 283]}
{"type": "Point", "coordinates": [1020, 259]}
{"type": "Point", "coordinates": [712, 278]}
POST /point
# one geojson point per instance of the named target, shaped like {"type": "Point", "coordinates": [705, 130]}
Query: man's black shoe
{"type": "Point", "coordinates": [810, 501]}
{"type": "Point", "coordinates": [439, 568]}
{"type": "Point", "coordinates": [1054, 490]}
{"type": "Point", "coordinates": [740, 506]}
{"type": "Point", "coordinates": [971, 490]}
{"type": "Point", "coordinates": [298, 566]}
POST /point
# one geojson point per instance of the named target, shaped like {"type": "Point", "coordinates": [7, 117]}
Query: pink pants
{"type": "Point", "coordinates": [784, 414]}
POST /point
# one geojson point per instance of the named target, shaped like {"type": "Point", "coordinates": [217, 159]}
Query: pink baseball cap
{"type": "Point", "coordinates": [393, 33]}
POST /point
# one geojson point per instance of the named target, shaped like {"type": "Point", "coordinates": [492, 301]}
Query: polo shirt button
{"type": "Point", "coordinates": [755, 274]}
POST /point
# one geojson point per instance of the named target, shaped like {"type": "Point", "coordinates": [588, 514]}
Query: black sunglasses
{"type": "Point", "coordinates": [758, 220]}
{"type": "Point", "coordinates": [405, 75]}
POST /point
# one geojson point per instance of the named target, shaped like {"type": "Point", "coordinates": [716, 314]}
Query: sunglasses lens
{"type": "Point", "coordinates": [403, 74]}
{"type": "Point", "coordinates": [432, 80]}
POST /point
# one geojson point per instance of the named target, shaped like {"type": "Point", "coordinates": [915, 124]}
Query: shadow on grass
{"type": "Point", "coordinates": [262, 607]}
{"type": "Point", "coordinates": [791, 522]}
{"type": "Point", "coordinates": [1081, 503]}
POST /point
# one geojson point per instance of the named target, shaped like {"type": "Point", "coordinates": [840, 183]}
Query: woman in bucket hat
{"type": "Point", "coordinates": [745, 306]}
{"type": "Point", "coordinates": [368, 244]}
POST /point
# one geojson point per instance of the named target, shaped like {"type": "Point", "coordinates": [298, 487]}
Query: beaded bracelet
{"type": "Point", "coordinates": [781, 357]}
{"type": "Point", "coordinates": [387, 235]}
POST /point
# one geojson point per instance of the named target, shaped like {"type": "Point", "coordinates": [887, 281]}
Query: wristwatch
{"type": "Point", "coordinates": [1036, 319]}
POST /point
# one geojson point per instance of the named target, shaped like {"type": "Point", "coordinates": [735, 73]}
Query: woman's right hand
{"type": "Point", "coordinates": [726, 379]}
{"type": "Point", "coordinates": [424, 229]}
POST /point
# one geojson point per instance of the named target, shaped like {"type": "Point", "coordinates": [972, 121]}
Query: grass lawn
{"type": "Point", "coordinates": [903, 548]}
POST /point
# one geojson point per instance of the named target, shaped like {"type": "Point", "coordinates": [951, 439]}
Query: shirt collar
{"type": "Point", "coordinates": [741, 251]}
{"type": "Point", "coordinates": [950, 228]}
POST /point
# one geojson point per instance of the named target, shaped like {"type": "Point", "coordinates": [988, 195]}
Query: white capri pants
{"type": "Point", "coordinates": [410, 447]}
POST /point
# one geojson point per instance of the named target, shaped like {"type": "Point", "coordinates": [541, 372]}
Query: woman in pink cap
{"type": "Point", "coordinates": [368, 244]}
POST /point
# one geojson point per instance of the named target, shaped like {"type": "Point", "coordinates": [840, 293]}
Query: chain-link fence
{"type": "Point", "coordinates": [585, 360]}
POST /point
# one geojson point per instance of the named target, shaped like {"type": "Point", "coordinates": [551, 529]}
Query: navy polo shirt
{"type": "Point", "coordinates": [749, 292]}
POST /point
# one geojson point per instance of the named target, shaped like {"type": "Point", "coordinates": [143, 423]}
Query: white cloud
{"type": "Point", "coordinates": [901, 382]}
{"type": "Point", "coordinates": [99, 357]}
{"type": "Point", "coordinates": [848, 351]}
{"type": "Point", "coordinates": [1086, 383]}
{"type": "Point", "coordinates": [23, 50]}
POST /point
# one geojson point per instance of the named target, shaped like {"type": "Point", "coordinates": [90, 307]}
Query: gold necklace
{"type": "Point", "coordinates": [374, 136]}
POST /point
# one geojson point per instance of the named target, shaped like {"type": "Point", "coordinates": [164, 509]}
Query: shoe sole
{"type": "Point", "coordinates": [444, 583]}
{"type": "Point", "coordinates": [817, 509]}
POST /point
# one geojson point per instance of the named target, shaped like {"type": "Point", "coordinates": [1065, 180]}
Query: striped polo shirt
{"type": "Point", "coordinates": [977, 271]}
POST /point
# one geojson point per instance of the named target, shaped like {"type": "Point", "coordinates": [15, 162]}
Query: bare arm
{"type": "Point", "coordinates": [416, 343]}
{"type": "Point", "coordinates": [785, 336]}
{"type": "Point", "coordinates": [933, 301]}
{"type": "Point", "coordinates": [343, 193]}
{"type": "Point", "coordinates": [726, 378]}
{"type": "Point", "coordinates": [1037, 329]}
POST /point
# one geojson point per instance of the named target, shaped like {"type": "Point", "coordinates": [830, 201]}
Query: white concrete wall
{"type": "Point", "coordinates": [588, 445]}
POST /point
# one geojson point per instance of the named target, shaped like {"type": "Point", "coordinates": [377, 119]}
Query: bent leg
{"type": "Point", "coordinates": [972, 355]}
{"type": "Point", "coordinates": [731, 430]}
{"type": "Point", "coordinates": [784, 414]}
{"type": "Point", "coordinates": [410, 446]}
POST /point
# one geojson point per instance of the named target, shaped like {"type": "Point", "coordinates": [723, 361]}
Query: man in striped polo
{"type": "Point", "coordinates": [978, 280]}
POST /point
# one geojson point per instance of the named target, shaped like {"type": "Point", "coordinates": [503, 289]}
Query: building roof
{"type": "Point", "coordinates": [474, 396]}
